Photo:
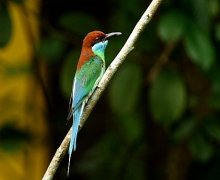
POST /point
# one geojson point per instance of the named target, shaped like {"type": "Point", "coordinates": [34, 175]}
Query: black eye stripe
{"type": "Point", "coordinates": [97, 40]}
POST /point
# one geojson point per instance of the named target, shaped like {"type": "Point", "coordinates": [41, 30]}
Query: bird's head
{"type": "Point", "coordinates": [97, 41]}
{"type": "Point", "coordinates": [94, 43]}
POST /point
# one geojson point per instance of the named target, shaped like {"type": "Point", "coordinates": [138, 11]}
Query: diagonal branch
{"type": "Point", "coordinates": [119, 59]}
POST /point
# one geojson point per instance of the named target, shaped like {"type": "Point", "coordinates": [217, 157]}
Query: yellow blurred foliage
{"type": "Point", "coordinates": [22, 102]}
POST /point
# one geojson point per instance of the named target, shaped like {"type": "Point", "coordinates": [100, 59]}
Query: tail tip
{"type": "Point", "coordinates": [68, 170]}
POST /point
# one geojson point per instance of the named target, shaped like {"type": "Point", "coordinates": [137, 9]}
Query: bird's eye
{"type": "Point", "coordinates": [96, 40]}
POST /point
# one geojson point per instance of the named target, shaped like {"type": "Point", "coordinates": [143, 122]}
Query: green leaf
{"type": "Point", "coordinates": [200, 148]}
{"type": "Point", "coordinates": [6, 26]}
{"type": "Point", "coordinates": [51, 49]}
{"type": "Point", "coordinates": [67, 73]}
{"type": "Point", "coordinates": [172, 26]}
{"type": "Point", "coordinates": [184, 130]}
{"type": "Point", "coordinates": [167, 97]}
{"type": "Point", "coordinates": [199, 47]}
{"type": "Point", "coordinates": [125, 89]}
{"type": "Point", "coordinates": [75, 22]}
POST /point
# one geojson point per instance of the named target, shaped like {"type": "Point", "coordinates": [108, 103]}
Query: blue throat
{"type": "Point", "coordinates": [99, 49]}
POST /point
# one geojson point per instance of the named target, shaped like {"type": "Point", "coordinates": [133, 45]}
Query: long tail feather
{"type": "Point", "coordinates": [75, 127]}
{"type": "Point", "coordinates": [68, 171]}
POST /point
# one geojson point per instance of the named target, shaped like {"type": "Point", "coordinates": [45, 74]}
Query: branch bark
{"type": "Point", "coordinates": [119, 59]}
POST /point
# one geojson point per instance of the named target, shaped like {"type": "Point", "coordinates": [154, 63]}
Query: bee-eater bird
{"type": "Point", "coordinates": [90, 69]}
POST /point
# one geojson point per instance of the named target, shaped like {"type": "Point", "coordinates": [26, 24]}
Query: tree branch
{"type": "Point", "coordinates": [119, 59]}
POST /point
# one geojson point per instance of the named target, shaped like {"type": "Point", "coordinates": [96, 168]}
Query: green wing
{"type": "Point", "coordinates": [85, 81]}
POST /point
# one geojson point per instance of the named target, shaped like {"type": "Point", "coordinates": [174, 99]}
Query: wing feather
{"type": "Point", "coordinates": [84, 83]}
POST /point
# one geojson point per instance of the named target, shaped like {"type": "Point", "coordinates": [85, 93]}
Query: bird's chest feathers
{"type": "Point", "coordinates": [91, 69]}
{"type": "Point", "coordinates": [99, 49]}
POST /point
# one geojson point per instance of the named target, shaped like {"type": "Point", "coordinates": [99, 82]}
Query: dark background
{"type": "Point", "coordinates": [159, 117]}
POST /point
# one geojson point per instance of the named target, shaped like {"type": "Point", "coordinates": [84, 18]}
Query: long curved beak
{"type": "Point", "coordinates": [109, 35]}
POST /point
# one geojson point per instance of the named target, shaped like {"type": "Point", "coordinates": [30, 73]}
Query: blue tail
{"type": "Point", "coordinates": [76, 120]}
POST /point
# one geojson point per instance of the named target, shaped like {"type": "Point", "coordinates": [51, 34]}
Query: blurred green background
{"type": "Point", "coordinates": [160, 115]}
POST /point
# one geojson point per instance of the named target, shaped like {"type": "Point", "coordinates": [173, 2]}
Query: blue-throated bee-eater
{"type": "Point", "coordinates": [90, 69]}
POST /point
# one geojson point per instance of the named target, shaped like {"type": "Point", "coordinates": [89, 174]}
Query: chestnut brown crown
{"type": "Point", "coordinates": [93, 38]}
